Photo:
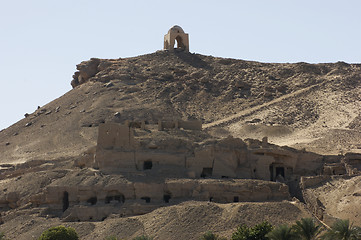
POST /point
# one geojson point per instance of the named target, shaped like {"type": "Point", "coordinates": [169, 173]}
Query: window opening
{"type": "Point", "coordinates": [207, 172]}
{"type": "Point", "coordinates": [147, 165]}
{"type": "Point", "coordinates": [166, 198]}
{"type": "Point", "coordinates": [114, 197]}
{"type": "Point", "coordinates": [147, 199]}
{"type": "Point", "coordinates": [92, 200]}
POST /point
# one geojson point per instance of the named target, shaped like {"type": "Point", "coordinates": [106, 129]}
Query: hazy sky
{"type": "Point", "coordinates": [42, 41]}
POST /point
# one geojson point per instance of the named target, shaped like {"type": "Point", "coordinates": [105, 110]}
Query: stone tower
{"type": "Point", "coordinates": [176, 33]}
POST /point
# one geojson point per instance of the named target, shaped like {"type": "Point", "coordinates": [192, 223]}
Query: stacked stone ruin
{"type": "Point", "coordinates": [225, 170]}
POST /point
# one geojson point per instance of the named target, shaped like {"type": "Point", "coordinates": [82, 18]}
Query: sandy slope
{"type": "Point", "coordinates": [341, 198]}
{"type": "Point", "coordinates": [310, 100]}
{"type": "Point", "coordinates": [184, 221]}
{"type": "Point", "coordinates": [320, 121]}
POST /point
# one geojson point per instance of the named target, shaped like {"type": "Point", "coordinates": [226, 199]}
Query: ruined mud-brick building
{"type": "Point", "coordinates": [138, 167]}
{"type": "Point", "coordinates": [118, 150]}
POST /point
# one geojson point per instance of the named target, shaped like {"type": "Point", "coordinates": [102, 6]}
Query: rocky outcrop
{"type": "Point", "coordinates": [86, 70]}
{"type": "Point", "coordinates": [9, 200]}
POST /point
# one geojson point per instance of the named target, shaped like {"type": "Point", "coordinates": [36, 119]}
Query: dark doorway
{"type": "Point", "coordinates": [179, 42]}
{"type": "Point", "coordinates": [92, 200]}
{"type": "Point", "coordinates": [280, 171]}
{"type": "Point", "coordinates": [147, 165]}
{"type": "Point", "coordinates": [275, 171]}
{"type": "Point", "coordinates": [65, 201]}
{"type": "Point", "coordinates": [236, 199]}
{"type": "Point", "coordinates": [114, 196]}
{"type": "Point", "coordinates": [166, 198]}
{"type": "Point", "coordinates": [207, 172]}
{"type": "Point", "coordinates": [147, 199]}
{"type": "Point", "coordinates": [271, 172]}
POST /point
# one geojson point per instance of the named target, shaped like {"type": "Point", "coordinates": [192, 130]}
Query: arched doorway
{"type": "Point", "coordinates": [176, 34]}
{"type": "Point", "coordinates": [180, 43]}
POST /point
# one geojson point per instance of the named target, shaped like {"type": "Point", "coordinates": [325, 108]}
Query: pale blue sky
{"type": "Point", "coordinates": [42, 41]}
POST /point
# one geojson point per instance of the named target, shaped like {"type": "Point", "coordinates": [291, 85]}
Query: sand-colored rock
{"type": "Point", "coordinates": [125, 142]}
{"type": "Point", "coordinates": [335, 197]}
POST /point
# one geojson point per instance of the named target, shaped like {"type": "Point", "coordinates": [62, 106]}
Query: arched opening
{"type": "Point", "coordinates": [65, 201]}
{"type": "Point", "coordinates": [180, 43]}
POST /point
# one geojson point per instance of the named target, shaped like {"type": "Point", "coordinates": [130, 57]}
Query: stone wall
{"type": "Point", "coordinates": [115, 136]}
{"type": "Point", "coordinates": [127, 197]}
{"type": "Point", "coordinates": [118, 151]}
{"type": "Point", "coordinates": [312, 181]}
{"type": "Point", "coordinates": [176, 124]}
{"type": "Point", "coordinates": [334, 169]}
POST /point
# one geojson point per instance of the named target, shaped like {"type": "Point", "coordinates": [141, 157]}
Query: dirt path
{"type": "Point", "coordinates": [251, 110]}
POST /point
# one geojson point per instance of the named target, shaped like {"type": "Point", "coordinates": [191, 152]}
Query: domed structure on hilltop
{"type": "Point", "coordinates": [176, 33]}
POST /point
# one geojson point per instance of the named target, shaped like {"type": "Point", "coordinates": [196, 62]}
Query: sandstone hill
{"type": "Point", "coordinates": [310, 107]}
